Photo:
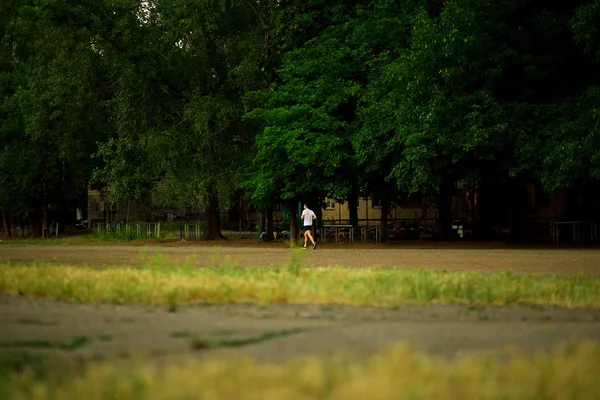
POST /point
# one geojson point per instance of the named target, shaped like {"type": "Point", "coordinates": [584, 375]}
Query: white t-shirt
{"type": "Point", "coordinates": [308, 217]}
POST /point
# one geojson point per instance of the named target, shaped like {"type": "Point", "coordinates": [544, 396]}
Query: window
{"type": "Point", "coordinates": [376, 199]}
{"type": "Point", "coordinates": [329, 204]}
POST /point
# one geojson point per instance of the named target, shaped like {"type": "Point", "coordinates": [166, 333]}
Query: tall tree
{"type": "Point", "coordinates": [571, 155]}
{"type": "Point", "coordinates": [49, 103]}
{"type": "Point", "coordinates": [472, 94]}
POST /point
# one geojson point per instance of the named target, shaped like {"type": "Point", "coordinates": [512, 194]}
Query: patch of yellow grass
{"type": "Point", "coordinates": [400, 373]}
{"type": "Point", "coordinates": [163, 284]}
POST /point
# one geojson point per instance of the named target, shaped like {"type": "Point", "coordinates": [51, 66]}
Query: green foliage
{"type": "Point", "coordinates": [310, 116]}
{"type": "Point", "coordinates": [49, 107]}
{"type": "Point", "coordinates": [189, 103]}
{"type": "Point", "coordinates": [475, 96]}
{"type": "Point", "coordinates": [572, 139]}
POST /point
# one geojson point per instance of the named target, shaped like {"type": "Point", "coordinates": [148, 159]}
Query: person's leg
{"type": "Point", "coordinates": [305, 237]}
{"type": "Point", "coordinates": [309, 234]}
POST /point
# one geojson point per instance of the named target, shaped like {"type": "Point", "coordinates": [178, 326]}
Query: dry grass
{"type": "Point", "coordinates": [400, 373]}
{"type": "Point", "coordinates": [159, 283]}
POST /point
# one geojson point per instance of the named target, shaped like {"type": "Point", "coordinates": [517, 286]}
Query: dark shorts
{"type": "Point", "coordinates": [306, 228]}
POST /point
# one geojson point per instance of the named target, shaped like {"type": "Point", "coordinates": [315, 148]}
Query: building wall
{"type": "Point", "coordinates": [542, 208]}
{"type": "Point", "coordinates": [95, 206]}
{"type": "Point", "coordinates": [371, 214]}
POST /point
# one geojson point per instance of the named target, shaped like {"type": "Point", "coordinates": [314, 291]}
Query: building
{"type": "Point", "coordinates": [405, 210]}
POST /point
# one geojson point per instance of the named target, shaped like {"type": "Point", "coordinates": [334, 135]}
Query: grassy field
{"type": "Point", "coordinates": [160, 283]}
{"type": "Point", "coordinates": [399, 373]}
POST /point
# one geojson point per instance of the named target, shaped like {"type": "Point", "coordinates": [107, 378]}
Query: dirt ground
{"type": "Point", "coordinates": [480, 257]}
{"type": "Point", "coordinates": [278, 333]}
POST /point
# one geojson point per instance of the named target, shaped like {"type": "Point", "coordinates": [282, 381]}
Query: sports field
{"type": "Point", "coordinates": [154, 321]}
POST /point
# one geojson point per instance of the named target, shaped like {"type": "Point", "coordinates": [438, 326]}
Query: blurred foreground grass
{"type": "Point", "coordinates": [399, 373]}
{"type": "Point", "coordinates": [161, 283]}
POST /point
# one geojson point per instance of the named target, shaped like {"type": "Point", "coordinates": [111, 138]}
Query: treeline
{"type": "Point", "coordinates": [176, 102]}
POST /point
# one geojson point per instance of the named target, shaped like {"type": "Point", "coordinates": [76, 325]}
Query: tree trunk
{"type": "Point", "coordinates": [220, 235]}
{"type": "Point", "coordinates": [486, 221]}
{"type": "Point", "coordinates": [6, 223]}
{"type": "Point", "coordinates": [45, 230]}
{"type": "Point", "coordinates": [263, 220]}
{"type": "Point", "coordinates": [211, 220]}
{"type": "Point", "coordinates": [293, 224]}
{"type": "Point", "coordinates": [512, 192]}
{"type": "Point", "coordinates": [494, 208]}
{"type": "Point", "coordinates": [353, 207]}
{"type": "Point", "coordinates": [36, 225]}
{"type": "Point", "coordinates": [445, 207]}
{"type": "Point", "coordinates": [385, 207]}
{"type": "Point", "coordinates": [211, 215]}
{"type": "Point", "coordinates": [269, 231]}
{"type": "Point", "coordinates": [21, 222]}
{"type": "Point", "coordinates": [517, 204]}
{"type": "Point", "coordinates": [247, 216]}
{"type": "Point", "coordinates": [128, 210]}
{"type": "Point", "coordinates": [240, 216]}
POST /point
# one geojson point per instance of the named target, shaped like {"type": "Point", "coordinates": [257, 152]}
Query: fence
{"type": "Point", "coordinates": [140, 230]}
{"type": "Point", "coordinates": [149, 230]}
{"type": "Point", "coordinates": [50, 230]}
{"type": "Point", "coordinates": [349, 233]}
{"type": "Point", "coordinates": [370, 234]}
{"type": "Point", "coordinates": [25, 230]}
{"type": "Point", "coordinates": [338, 233]}
{"type": "Point", "coordinates": [571, 231]}
{"type": "Point", "coordinates": [191, 232]}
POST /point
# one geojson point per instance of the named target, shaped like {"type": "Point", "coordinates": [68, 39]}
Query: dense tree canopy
{"type": "Point", "coordinates": [190, 102]}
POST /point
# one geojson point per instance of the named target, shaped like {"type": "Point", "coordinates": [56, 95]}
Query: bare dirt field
{"type": "Point", "coordinates": [278, 333]}
{"type": "Point", "coordinates": [479, 257]}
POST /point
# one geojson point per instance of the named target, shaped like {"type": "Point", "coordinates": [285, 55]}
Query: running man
{"type": "Point", "coordinates": [308, 215]}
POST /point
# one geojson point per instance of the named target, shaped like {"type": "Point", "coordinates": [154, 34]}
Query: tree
{"type": "Point", "coordinates": [211, 146]}
{"type": "Point", "coordinates": [570, 155]}
{"type": "Point", "coordinates": [471, 95]}
{"type": "Point", "coordinates": [305, 147]}
{"type": "Point", "coordinates": [172, 109]}
{"type": "Point", "coordinates": [48, 108]}
{"type": "Point", "coordinates": [383, 33]}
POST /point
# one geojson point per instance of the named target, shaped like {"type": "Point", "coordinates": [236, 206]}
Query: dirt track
{"type": "Point", "coordinates": [466, 257]}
